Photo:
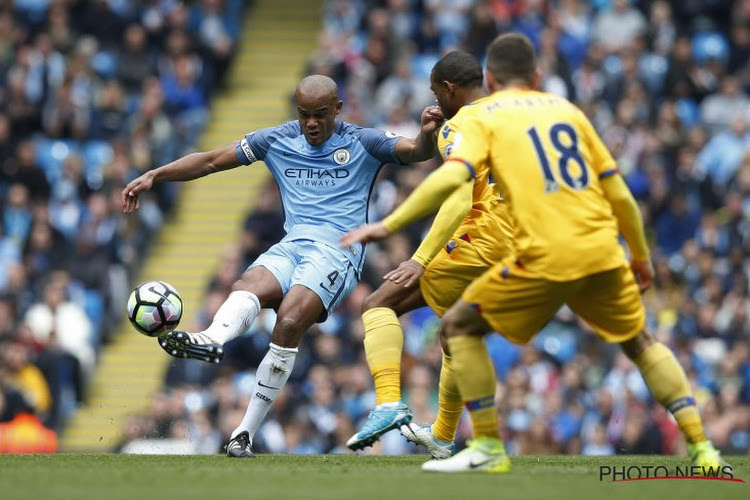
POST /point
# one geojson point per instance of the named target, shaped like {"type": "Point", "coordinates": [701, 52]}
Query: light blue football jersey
{"type": "Point", "coordinates": [325, 189]}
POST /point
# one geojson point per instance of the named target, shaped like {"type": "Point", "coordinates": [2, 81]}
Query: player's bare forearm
{"type": "Point", "coordinates": [187, 168]}
{"type": "Point", "coordinates": [365, 234]}
{"type": "Point", "coordinates": [424, 146]}
{"type": "Point", "coordinates": [196, 165]}
{"type": "Point", "coordinates": [429, 195]}
{"type": "Point", "coordinates": [447, 220]}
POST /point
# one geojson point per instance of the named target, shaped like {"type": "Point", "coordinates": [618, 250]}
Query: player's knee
{"type": "Point", "coordinates": [288, 324]}
{"type": "Point", "coordinates": [444, 340]}
{"type": "Point", "coordinates": [372, 301]}
{"type": "Point", "coordinates": [452, 325]}
{"type": "Point", "coordinates": [634, 347]}
{"type": "Point", "coordinates": [289, 330]}
{"type": "Point", "coordinates": [461, 320]}
{"type": "Point", "coordinates": [379, 298]}
{"type": "Point", "coordinates": [241, 284]}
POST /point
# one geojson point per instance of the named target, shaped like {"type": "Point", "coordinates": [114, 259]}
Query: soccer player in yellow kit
{"type": "Point", "coordinates": [567, 202]}
{"type": "Point", "coordinates": [470, 232]}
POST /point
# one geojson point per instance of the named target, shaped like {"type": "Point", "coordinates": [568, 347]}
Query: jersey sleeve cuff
{"type": "Point", "coordinates": [609, 173]}
{"type": "Point", "coordinates": [390, 224]}
{"type": "Point", "coordinates": [472, 172]}
{"type": "Point", "coordinates": [421, 259]}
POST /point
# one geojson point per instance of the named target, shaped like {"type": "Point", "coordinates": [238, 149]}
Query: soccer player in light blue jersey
{"type": "Point", "coordinates": [325, 170]}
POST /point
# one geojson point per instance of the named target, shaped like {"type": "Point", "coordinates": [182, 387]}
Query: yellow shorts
{"type": "Point", "coordinates": [518, 306]}
{"type": "Point", "coordinates": [450, 272]}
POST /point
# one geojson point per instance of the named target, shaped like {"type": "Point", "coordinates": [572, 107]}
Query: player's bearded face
{"type": "Point", "coordinates": [317, 120]}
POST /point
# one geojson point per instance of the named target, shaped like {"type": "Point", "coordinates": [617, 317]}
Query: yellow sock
{"type": "Point", "coordinates": [475, 377]}
{"type": "Point", "coordinates": [450, 405]}
{"type": "Point", "coordinates": [384, 341]}
{"type": "Point", "coordinates": [667, 381]}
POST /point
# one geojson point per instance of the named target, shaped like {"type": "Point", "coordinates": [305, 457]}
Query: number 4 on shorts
{"type": "Point", "coordinates": [331, 278]}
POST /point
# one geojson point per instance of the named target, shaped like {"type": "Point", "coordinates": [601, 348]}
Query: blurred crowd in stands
{"type": "Point", "coordinates": [92, 93]}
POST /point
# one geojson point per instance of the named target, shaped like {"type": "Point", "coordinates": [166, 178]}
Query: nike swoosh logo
{"type": "Point", "coordinates": [474, 465]}
{"type": "Point", "coordinates": [267, 386]}
{"type": "Point", "coordinates": [153, 290]}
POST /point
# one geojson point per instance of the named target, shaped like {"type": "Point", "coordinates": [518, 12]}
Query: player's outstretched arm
{"type": "Point", "coordinates": [447, 220]}
{"type": "Point", "coordinates": [630, 223]}
{"type": "Point", "coordinates": [426, 199]}
{"type": "Point", "coordinates": [424, 146]}
{"type": "Point", "coordinates": [187, 168]}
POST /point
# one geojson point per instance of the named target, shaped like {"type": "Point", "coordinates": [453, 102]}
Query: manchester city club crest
{"type": "Point", "coordinates": [342, 156]}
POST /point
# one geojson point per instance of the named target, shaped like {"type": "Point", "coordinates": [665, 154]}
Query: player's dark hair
{"type": "Point", "coordinates": [460, 68]}
{"type": "Point", "coordinates": [511, 57]}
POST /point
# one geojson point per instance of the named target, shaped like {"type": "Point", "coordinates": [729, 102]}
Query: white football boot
{"type": "Point", "coordinates": [481, 455]}
{"type": "Point", "coordinates": [422, 435]}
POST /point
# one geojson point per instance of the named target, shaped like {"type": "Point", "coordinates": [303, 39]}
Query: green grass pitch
{"type": "Point", "coordinates": [289, 477]}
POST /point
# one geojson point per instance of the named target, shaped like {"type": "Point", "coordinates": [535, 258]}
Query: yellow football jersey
{"type": "Point", "coordinates": [548, 160]}
{"type": "Point", "coordinates": [488, 222]}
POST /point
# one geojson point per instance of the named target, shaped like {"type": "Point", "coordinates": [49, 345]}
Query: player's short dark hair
{"type": "Point", "coordinates": [460, 68]}
{"type": "Point", "coordinates": [511, 57]}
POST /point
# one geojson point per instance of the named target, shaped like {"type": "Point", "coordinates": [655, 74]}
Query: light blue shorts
{"type": "Point", "coordinates": [322, 269]}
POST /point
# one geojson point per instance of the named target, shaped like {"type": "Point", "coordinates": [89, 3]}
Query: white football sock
{"type": "Point", "coordinates": [234, 316]}
{"type": "Point", "coordinates": [270, 378]}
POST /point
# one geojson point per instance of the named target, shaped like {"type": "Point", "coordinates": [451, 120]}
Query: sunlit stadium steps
{"type": "Point", "coordinates": [278, 38]}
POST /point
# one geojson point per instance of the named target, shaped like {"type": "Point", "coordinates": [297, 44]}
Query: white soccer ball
{"type": "Point", "coordinates": [154, 308]}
